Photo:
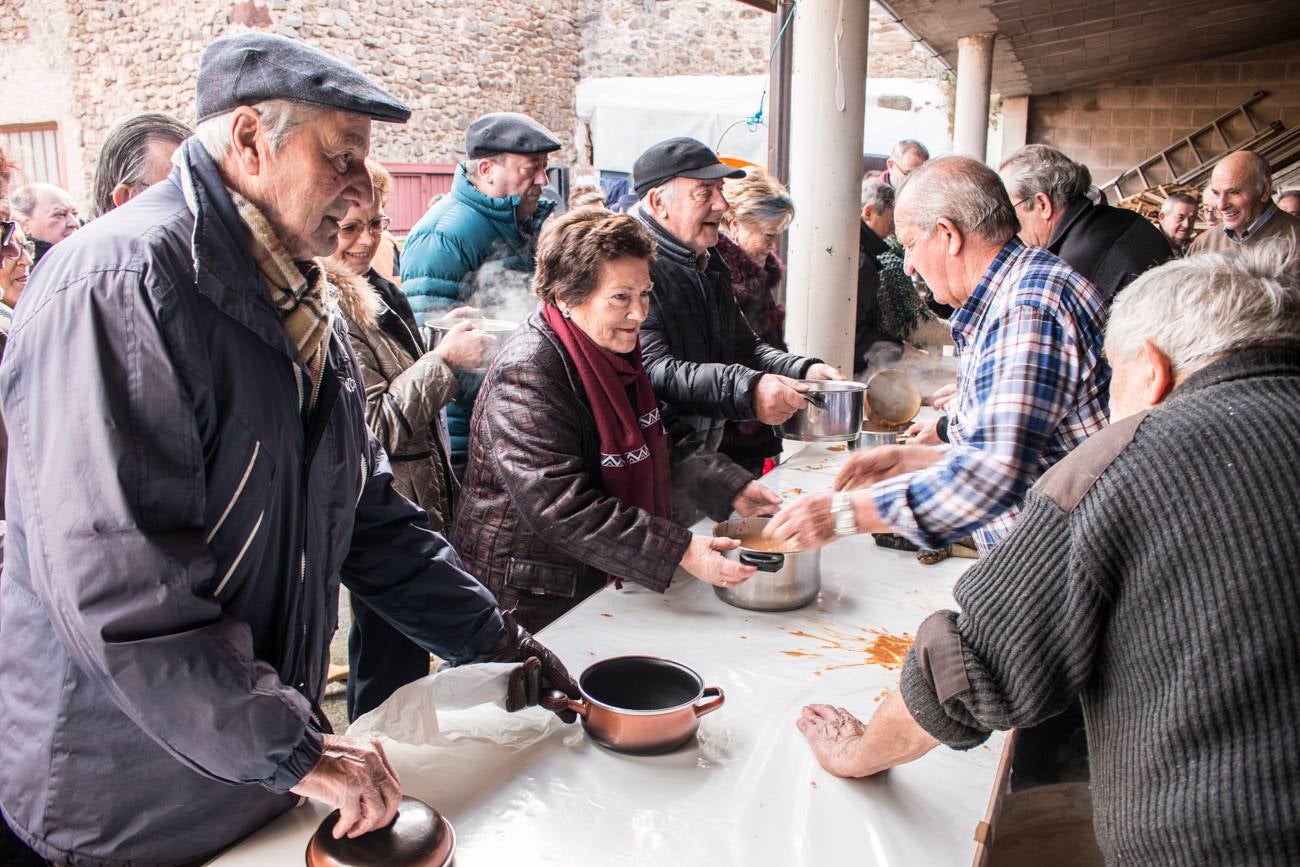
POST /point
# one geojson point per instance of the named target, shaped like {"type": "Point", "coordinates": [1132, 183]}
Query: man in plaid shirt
{"type": "Point", "coordinates": [1031, 381]}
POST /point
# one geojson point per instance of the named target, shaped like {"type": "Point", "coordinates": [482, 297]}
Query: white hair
{"type": "Point", "coordinates": [878, 195]}
{"type": "Point", "coordinates": [1167, 206]}
{"type": "Point", "coordinates": [906, 146]}
{"type": "Point", "coordinates": [963, 191]}
{"type": "Point", "coordinates": [667, 190]}
{"type": "Point", "coordinates": [24, 199]}
{"type": "Point", "coordinates": [1204, 306]}
{"type": "Point", "coordinates": [279, 117]}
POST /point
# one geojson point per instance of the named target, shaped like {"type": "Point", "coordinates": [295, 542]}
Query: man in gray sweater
{"type": "Point", "coordinates": [1155, 572]}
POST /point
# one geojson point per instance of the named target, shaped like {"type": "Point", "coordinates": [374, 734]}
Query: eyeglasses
{"type": "Point", "coordinates": [348, 231]}
{"type": "Point", "coordinates": [1016, 205]}
{"type": "Point", "coordinates": [7, 229]}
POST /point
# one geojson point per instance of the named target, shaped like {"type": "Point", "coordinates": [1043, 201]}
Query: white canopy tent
{"type": "Point", "coordinates": [624, 116]}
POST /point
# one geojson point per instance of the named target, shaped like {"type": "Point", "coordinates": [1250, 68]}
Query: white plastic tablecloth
{"type": "Point", "coordinates": [524, 789]}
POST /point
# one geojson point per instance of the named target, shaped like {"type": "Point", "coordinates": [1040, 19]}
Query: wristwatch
{"type": "Point", "coordinates": [846, 523]}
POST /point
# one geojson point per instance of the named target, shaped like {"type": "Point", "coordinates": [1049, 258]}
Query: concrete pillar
{"type": "Point", "coordinates": [974, 83]}
{"type": "Point", "coordinates": [1015, 125]}
{"type": "Point", "coordinates": [827, 103]}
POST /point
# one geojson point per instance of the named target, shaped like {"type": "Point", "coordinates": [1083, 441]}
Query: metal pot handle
{"type": "Point", "coordinates": [764, 561]}
{"type": "Point", "coordinates": [556, 701]}
{"type": "Point", "coordinates": [714, 697]}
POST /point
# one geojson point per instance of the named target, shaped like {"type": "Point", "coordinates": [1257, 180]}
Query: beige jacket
{"type": "Point", "coordinates": [404, 394]}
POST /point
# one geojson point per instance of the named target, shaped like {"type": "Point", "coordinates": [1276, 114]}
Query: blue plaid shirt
{"type": "Point", "coordinates": [1031, 385]}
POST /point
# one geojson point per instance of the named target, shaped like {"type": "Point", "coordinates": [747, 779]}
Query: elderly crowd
{"type": "Point", "coordinates": [262, 420]}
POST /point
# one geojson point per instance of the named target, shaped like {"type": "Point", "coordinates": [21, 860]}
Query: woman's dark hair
{"type": "Point", "coordinates": [573, 247]}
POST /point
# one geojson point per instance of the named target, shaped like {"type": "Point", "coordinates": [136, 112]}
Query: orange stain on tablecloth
{"type": "Point", "coordinates": [876, 646]}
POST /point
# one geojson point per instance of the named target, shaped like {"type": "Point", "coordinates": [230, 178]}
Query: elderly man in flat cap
{"type": "Point", "coordinates": [195, 479]}
{"type": "Point", "coordinates": [477, 244]}
{"type": "Point", "coordinates": [701, 354]}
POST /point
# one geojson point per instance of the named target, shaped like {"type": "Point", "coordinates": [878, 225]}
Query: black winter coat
{"type": "Point", "coordinates": [1109, 246]}
{"type": "Point", "coordinates": [177, 535]}
{"type": "Point", "coordinates": [701, 354]}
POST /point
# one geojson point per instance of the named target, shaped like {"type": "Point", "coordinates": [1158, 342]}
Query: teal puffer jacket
{"type": "Point", "coordinates": [443, 267]}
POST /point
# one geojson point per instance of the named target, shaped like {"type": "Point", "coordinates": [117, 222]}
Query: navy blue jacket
{"type": "Point", "coordinates": [178, 529]}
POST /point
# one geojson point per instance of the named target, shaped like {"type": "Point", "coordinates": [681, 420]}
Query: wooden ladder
{"type": "Point", "coordinates": [1188, 144]}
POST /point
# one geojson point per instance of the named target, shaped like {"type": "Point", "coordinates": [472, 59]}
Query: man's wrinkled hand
{"type": "Point", "coordinates": [803, 524]}
{"type": "Point", "coordinates": [883, 462]}
{"type": "Point", "coordinates": [942, 396]}
{"type": "Point", "coordinates": [464, 313]}
{"type": "Point", "coordinates": [776, 398]}
{"type": "Point", "coordinates": [824, 372]}
{"type": "Point", "coordinates": [924, 433]}
{"type": "Point", "coordinates": [755, 499]}
{"type": "Point", "coordinates": [354, 776]}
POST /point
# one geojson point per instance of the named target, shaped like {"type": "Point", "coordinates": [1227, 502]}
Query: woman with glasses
{"type": "Point", "coordinates": [13, 275]}
{"type": "Point", "coordinates": [406, 387]}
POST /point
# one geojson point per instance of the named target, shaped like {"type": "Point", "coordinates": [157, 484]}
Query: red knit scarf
{"type": "Point", "coordinates": [634, 448]}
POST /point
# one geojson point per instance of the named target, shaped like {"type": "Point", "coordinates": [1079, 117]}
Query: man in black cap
{"type": "Point", "coordinates": [196, 480]}
{"type": "Point", "coordinates": [476, 244]}
{"type": "Point", "coordinates": [701, 354]}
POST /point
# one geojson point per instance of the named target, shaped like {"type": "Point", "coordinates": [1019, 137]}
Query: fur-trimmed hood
{"type": "Point", "coordinates": [357, 298]}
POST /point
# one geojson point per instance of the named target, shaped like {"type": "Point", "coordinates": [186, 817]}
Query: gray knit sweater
{"type": "Point", "coordinates": [1155, 572]}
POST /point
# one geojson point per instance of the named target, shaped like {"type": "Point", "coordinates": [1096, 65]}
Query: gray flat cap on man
{"type": "Point", "coordinates": [681, 157]}
{"type": "Point", "coordinates": [505, 132]}
{"type": "Point", "coordinates": [252, 67]}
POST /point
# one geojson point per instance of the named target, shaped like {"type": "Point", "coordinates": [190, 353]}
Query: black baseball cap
{"type": "Point", "coordinates": [253, 67]}
{"type": "Point", "coordinates": [681, 157]}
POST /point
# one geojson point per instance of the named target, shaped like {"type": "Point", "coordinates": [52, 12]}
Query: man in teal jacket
{"type": "Point", "coordinates": [475, 245]}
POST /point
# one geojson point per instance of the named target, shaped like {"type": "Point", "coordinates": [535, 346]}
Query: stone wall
{"type": "Point", "coordinates": [1112, 127]}
{"type": "Point", "coordinates": [449, 61]}
{"type": "Point", "coordinates": [86, 63]}
{"type": "Point", "coordinates": [648, 38]}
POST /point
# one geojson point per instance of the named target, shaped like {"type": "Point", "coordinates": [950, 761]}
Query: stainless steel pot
{"type": "Point", "coordinates": [498, 328]}
{"type": "Point", "coordinates": [885, 435]}
{"type": "Point", "coordinates": [833, 413]}
{"type": "Point", "coordinates": [640, 704]}
{"type": "Point", "coordinates": [784, 580]}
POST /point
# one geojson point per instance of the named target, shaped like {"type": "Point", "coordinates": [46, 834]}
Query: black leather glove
{"type": "Point", "coordinates": [541, 670]}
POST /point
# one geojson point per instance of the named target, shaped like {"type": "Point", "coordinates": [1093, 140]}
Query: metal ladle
{"type": "Point", "coordinates": [892, 398]}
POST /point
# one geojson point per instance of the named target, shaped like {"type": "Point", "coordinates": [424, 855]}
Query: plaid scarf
{"type": "Point", "coordinates": [302, 294]}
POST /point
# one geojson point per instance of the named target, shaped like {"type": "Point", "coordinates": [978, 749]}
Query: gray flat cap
{"type": "Point", "coordinates": [504, 132]}
{"type": "Point", "coordinates": [251, 67]}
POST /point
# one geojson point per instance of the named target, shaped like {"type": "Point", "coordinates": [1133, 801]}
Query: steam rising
{"type": "Point", "coordinates": [502, 292]}
{"type": "Point", "coordinates": [929, 372]}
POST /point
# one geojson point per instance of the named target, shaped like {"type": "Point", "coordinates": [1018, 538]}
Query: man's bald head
{"type": "Point", "coordinates": [1240, 187]}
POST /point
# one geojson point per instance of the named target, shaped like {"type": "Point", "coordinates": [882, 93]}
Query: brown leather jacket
{"type": "Point", "coordinates": [533, 523]}
{"type": "Point", "coordinates": [406, 389]}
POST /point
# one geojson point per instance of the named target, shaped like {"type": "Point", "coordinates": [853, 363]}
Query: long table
{"type": "Point", "coordinates": [747, 791]}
